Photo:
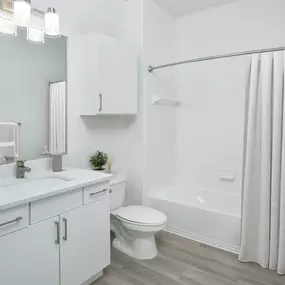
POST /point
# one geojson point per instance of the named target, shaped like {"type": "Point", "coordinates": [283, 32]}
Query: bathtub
{"type": "Point", "coordinates": [207, 216]}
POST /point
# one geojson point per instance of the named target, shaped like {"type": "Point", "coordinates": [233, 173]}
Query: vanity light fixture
{"type": "Point", "coordinates": [22, 13]}
{"type": "Point", "coordinates": [51, 23]}
{"type": "Point", "coordinates": [18, 13]}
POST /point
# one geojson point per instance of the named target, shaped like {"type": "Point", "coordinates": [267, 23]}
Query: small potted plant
{"type": "Point", "coordinates": [99, 160]}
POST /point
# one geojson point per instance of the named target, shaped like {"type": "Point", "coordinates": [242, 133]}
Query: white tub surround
{"type": "Point", "coordinates": [207, 216]}
{"type": "Point", "coordinates": [63, 219]}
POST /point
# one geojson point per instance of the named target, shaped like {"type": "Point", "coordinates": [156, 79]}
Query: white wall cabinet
{"type": "Point", "coordinates": [109, 77]}
{"type": "Point", "coordinates": [70, 248]}
{"type": "Point", "coordinates": [30, 256]}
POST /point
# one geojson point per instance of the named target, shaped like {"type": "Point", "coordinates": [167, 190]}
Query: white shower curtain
{"type": "Point", "coordinates": [57, 118]}
{"type": "Point", "coordinates": [263, 213]}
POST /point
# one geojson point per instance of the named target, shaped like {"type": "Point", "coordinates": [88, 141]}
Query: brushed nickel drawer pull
{"type": "Point", "coordinates": [57, 233]}
{"type": "Point", "coordinates": [65, 229]}
{"type": "Point", "coordinates": [100, 192]}
{"type": "Point", "coordinates": [101, 102]}
{"type": "Point", "coordinates": [18, 219]}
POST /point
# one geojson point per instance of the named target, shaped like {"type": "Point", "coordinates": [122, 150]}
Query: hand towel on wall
{"type": "Point", "coordinates": [57, 118]}
{"type": "Point", "coordinates": [9, 139]}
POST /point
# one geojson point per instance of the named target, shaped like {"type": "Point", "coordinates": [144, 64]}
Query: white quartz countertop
{"type": "Point", "coordinates": [43, 184]}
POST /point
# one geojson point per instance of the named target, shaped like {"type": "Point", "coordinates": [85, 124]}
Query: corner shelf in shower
{"type": "Point", "coordinates": [162, 101]}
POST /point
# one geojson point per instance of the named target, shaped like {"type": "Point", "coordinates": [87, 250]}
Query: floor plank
{"type": "Point", "coordinates": [181, 261]}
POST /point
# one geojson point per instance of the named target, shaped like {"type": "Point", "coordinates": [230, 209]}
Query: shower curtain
{"type": "Point", "coordinates": [263, 213]}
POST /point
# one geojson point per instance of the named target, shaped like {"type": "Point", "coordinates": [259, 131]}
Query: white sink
{"type": "Point", "coordinates": [48, 180]}
{"type": "Point", "coordinates": [3, 185]}
{"type": "Point", "coordinates": [54, 178]}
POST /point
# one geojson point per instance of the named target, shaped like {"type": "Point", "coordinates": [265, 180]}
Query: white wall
{"type": "Point", "coordinates": [122, 136]}
{"type": "Point", "coordinates": [238, 26]}
{"type": "Point", "coordinates": [211, 118]}
{"type": "Point", "coordinates": [158, 48]}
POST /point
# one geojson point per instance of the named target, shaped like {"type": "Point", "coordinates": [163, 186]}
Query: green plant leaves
{"type": "Point", "coordinates": [99, 160]}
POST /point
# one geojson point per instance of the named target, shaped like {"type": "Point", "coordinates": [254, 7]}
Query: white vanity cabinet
{"type": "Point", "coordinates": [66, 242]}
{"type": "Point", "coordinates": [109, 71]}
{"type": "Point", "coordinates": [30, 256]}
{"type": "Point", "coordinates": [85, 246]}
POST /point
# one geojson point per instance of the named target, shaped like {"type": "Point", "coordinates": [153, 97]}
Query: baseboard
{"type": "Point", "coordinates": [93, 279]}
{"type": "Point", "coordinates": [197, 238]}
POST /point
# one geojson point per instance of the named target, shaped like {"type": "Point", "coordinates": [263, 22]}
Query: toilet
{"type": "Point", "coordinates": [134, 226]}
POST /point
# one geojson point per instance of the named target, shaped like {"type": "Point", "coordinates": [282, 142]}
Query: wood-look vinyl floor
{"type": "Point", "coordinates": [181, 261]}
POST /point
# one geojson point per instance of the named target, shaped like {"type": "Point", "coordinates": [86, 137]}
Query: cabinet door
{"type": "Point", "coordinates": [116, 79]}
{"type": "Point", "coordinates": [30, 256]}
{"type": "Point", "coordinates": [85, 243]}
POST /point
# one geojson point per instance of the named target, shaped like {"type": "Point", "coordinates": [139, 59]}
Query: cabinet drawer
{"type": "Point", "coordinates": [95, 192]}
{"type": "Point", "coordinates": [14, 219]}
{"type": "Point", "coordinates": [56, 205]}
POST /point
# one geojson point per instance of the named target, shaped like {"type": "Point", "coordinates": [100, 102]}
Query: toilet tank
{"type": "Point", "coordinates": [118, 194]}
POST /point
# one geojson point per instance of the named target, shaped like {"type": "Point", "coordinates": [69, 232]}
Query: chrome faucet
{"type": "Point", "coordinates": [21, 169]}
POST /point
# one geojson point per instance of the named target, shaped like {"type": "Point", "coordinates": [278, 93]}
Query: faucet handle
{"type": "Point", "coordinates": [20, 163]}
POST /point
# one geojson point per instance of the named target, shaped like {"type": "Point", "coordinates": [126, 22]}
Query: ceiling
{"type": "Point", "coordinates": [180, 8]}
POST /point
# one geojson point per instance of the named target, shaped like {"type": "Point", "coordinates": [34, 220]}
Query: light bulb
{"type": "Point", "coordinates": [22, 13]}
{"type": "Point", "coordinates": [52, 23]}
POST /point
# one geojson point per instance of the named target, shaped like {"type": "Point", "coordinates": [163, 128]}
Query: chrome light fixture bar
{"type": "Point", "coordinates": [18, 13]}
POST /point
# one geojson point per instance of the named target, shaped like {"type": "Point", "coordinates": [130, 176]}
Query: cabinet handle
{"type": "Point", "coordinates": [101, 102]}
{"type": "Point", "coordinates": [57, 232]}
{"type": "Point", "coordinates": [11, 222]}
{"type": "Point", "coordinates": [100, 192]}
{"type": "Point", "coordinates": [65, 229]}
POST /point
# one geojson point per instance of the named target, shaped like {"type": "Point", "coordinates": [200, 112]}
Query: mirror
{"type": "Point", "coordinates": [32, 97]}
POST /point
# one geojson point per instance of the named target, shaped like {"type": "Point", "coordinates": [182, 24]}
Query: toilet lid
{"type": "Point", "coordinates": [142, 215]}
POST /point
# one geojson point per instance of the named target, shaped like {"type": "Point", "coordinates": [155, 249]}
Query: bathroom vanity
{"type": "Point", "coordinates": [54, 228]}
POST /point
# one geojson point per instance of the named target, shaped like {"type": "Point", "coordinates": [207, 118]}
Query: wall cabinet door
{"type": "Point", "coordinates": [109, 76]}
{"type": "Point", "coordinates": [85, 242]}
{"type": "Point", "coordinates": [116, 79]}
{"type": "Point", "coordinates": [30, 256]}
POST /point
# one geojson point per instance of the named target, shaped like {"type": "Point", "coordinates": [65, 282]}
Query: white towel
{"type": "Point", "coordinates": [57, 118]}
{"type": "Point", "coordinates": [9, 139]}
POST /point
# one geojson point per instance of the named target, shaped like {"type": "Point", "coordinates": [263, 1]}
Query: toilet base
{"type": "Point", "coordinates": [139, 248]}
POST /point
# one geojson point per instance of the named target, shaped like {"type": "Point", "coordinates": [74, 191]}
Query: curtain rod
{"type": "Point", "coordinates": [152, 68]}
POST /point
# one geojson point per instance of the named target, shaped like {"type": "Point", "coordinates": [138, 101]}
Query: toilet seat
{"type": "Point", "coordinates": [140, 224]}
{"type": "Point", "coordinates": [141, 216]}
